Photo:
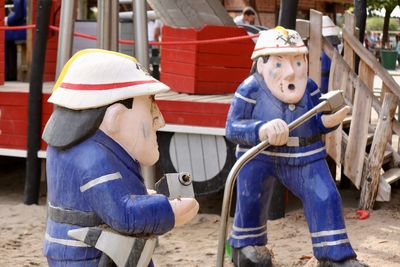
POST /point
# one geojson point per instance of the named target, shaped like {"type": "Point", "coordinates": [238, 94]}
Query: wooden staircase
{"type": "Point", "coordinates": [366, 145]}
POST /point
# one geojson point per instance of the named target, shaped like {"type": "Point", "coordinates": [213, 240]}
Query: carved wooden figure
{"type": "Point", "coordinates": [278, 92]}
{"type": "Point", "coordinates": [102, 129]}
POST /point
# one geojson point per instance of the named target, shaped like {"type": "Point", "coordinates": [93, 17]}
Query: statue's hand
{"type": "Point", "coordinates": [184, 210]}
{"type": "Point", "coordinates": [276, 131]}
{"type": "Point", "coordinates": [331, 120]}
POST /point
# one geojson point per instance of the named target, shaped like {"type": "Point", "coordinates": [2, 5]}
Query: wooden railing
{"type": "Point", "coordinates": [372, 117]}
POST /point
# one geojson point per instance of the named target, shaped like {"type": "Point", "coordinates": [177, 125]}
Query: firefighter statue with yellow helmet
{"type": "Point", "coordinates": [102, 129]}
{"type": "Point", "coordinates": [276, 93]}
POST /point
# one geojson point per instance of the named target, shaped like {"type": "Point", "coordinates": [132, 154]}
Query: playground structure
{"type": "Point", "coordinates": [364, 148]}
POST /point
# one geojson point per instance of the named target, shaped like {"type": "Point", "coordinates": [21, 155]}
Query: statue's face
{"type": "Point", "coordinates": [285, 76]}
{"type": "Point", "coordinates": [137, 129]}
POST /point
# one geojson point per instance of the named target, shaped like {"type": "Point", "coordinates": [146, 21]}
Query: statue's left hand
{"type": "Point", "coordinates": [331, 120]}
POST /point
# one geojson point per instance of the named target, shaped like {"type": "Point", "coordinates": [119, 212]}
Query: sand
{"type": "Point", "coordinates": [376, 240]}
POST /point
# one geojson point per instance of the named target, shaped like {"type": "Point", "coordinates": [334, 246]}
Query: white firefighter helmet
{"type": "Point", "coordinates": [279, 41]}
{"type": "Point", "coordinates": [94, 78]}
{"type": "Point", "coordinates": [328, 27]}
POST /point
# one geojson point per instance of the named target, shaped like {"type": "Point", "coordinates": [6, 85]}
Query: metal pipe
{"type": "Point", "coordinates": [141, 40]}
{"type": "Point", "coordinates": [246, 157]}
{"type": "Point", "coordinates": [142, 55]}
{"type": "Point", "coordinates": [103, 24]}
{"type": "Point", "coordinates": [65, 36]}
{"type": "Point", "coordinates": [114, 25]}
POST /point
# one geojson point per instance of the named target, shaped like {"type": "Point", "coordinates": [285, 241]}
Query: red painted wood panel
{"type": "Point", "coordinates": [2, 37]}
{"type": "Point", "coordinates": [194, 113]}
{"type": "Point", "coordinates": [52, 41]}
{"type": "Point", "coordinates": [14, 119]}
{"type": "Point", "coordinates": [185, 68]}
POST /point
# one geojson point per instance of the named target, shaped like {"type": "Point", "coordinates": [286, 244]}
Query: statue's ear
{"type": "Point", "coordinates": [260, 64]}
{"type": "Point", "coordinates": [111, 121]}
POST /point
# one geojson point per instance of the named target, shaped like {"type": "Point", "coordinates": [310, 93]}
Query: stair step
{"type": "Point", "coordinates": [346, 122]}
{"type": "Point", "coordinates": [387, 156]}
{"type": "Point", "coordinates": [392, 175]}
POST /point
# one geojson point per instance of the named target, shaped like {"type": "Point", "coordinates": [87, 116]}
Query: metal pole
{"type": "Point", "coordinates": [230, 181]}
{"type": "Point", "coordinates": [82, 9]}
{"type": "Point", "coordinates": [65, 36]}
{"type": "Point", "coordinates": [114, 33]}
{"type": "Point", "coordinates": [141, 40]}
{"type": "Point", "coordinates": [288, 14]}
{"type": "Point", "coordinates": [103, 24]}
{"type": "Point", "coordinates": [142, 55]}
{"type": "Point", "coordinates": [32, 180]}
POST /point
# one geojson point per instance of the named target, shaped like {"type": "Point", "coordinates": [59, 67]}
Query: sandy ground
{"type": "Point", "coordinates": [376, 240]}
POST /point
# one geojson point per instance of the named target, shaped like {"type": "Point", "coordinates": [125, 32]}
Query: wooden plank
{"type": "Point", "coordinates": [354, 80]}
{"type": "Point", "coordinates": [333, 139]}
{"type": "Point", "coordinates": [354, 156]}
{"type": "Point", "coordinates": [349, 56]}
{"type": "Point", "coordinates": [303, 28]}
{"type": "Point", "coordinates": [211, 157]}
{"type": "Point", "coordinates": [371, 61]}
{"type": "Point", "coordinates": [385, 89]}
{"type": "Point", "coordinates": [316, 45]}
{"type": "Point", "coordinates": [382, 134]}
{"type": "Point", "coordinates": [196, 157]}
{"type": "Point", "coordinates": [366, 74]}
{"type": "Point", "coordinates": [392, 175]}
{"type": "Point", "coordinates": [192, 13]}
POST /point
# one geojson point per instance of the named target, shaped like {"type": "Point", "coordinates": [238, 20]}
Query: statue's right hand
{"type": "Point", "coordinates": [184, 210]}
{"type": "Point", "coordinates": [276, 131]}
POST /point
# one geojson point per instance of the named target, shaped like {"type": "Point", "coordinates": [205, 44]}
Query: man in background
{"type": "Point", "coordinates": [248, 16]}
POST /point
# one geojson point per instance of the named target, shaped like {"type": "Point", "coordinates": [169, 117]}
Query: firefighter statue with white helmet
{"type": "Point", "coordinates": [276, 93]}
{"type": "Point", "coordinates": [102, 129]}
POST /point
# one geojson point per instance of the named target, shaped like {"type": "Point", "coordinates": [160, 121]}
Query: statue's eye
{"type": "Point", "coordinates": [298, 63]}
{"type": "Point", "coordinates": [278, 65]}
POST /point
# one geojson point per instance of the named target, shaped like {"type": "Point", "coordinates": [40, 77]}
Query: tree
{"type": "Point", "coordinates": [389, 6]}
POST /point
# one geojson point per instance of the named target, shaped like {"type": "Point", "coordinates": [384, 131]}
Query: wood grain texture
{"type": "Point", "coordinates": [354, 155]}
{"type": "Point", "coordinates": [315, 45]}
{"type": "Point", "coordinates": [383, 132]}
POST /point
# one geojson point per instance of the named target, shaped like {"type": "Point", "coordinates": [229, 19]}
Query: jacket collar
{"type": "Point", "coordinates": [115, 148]}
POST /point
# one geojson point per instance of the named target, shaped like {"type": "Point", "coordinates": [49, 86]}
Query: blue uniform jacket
{"type": "Point", "coordinates": [17, 18]}
{"type": "Point", "coordinates": [254, 105]}
{"type": "Point", "coordinates": [99, 176]}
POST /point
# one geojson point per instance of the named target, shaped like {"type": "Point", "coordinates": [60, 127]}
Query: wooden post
{"type": "Point", "coordinates": [333, 140]}
{"type": "Point", "coordinates": [316, 45]}
{"type": "Point", "coordinates": [349, 56]}
{"type": "Point", "coordinates": [382, 134]}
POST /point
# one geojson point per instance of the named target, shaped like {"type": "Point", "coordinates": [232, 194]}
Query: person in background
{"type": "Point", "coordinates": [248, 16]}
{"type": "Point", "coordinates": [330, 32]}
{"type": "Point", "coordinates": [17, 17]}
{"type": "Point", "coordinates": [398, 48]}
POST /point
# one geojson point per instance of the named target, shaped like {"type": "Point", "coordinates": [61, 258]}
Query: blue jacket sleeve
{"type": "Point", "coordinates": [17, 16]}
{"type": "Point", "coordinates": [241, 128]}
{"type": "Point", "coordinates": [127, 212]}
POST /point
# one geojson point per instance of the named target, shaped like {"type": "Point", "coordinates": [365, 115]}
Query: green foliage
{"type": "Point", "coordinates": [378, 4]}
{"type": "Point", "coordinates": [376, 24]}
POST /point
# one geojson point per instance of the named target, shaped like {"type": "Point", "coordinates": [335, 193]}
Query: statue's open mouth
{"type": "Point", "coordinates": [291, 86]}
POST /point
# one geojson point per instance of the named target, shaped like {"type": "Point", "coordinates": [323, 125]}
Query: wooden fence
{"type": "Point", "coordinates": [362, 147]}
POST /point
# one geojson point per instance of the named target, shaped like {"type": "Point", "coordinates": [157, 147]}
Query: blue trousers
{"type": "Point", "coordinates": [313, 185]}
